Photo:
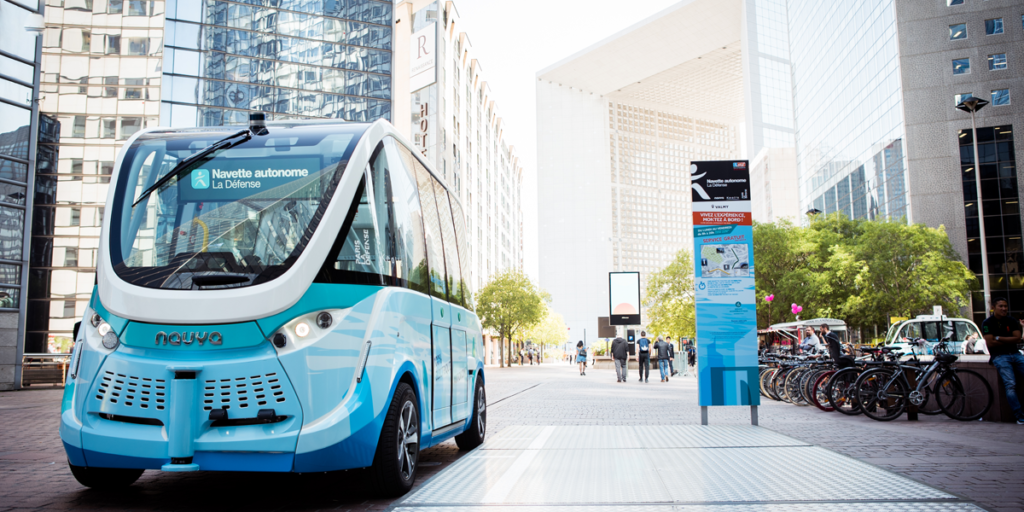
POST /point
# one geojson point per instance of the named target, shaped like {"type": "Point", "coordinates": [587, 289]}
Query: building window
{"type": "Point", "coordinates": [997, 61]}
{"type": "Point", "coordinates": [78, 128]}
{"type": "Point", "coordinates": [954, 2]}
{"type": "Point", "coordinates": [130, 125]}
{"type": "Point", "coordinates": [957, 98]}
{"type": "Point", "coordinates": [76, 217]}
{"type": "Point", "coordinates": [958, 31]}
{"type": "Point", "coordinates": [961, 66]}
{"type": "Point", "coordinates": [1000, 200]}
{"type": "Point", "coordinates": [108, 126]}
{"type": "Point", "coordinates": [1001, 97]}
{"type": "Point", "coordinates": [993, 26]}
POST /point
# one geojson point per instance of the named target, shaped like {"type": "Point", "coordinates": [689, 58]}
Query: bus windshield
{"type": "Point", "coordinates": [236, 217]}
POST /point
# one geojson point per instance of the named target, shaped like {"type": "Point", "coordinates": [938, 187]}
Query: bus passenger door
{"type": "Point", "coordinates": [459, 380]}
{"type": "Point", "coordinates": [442, 363]}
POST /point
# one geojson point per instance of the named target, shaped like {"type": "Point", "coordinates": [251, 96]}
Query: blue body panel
{"type": "Point", "coordinates": [333, 416]}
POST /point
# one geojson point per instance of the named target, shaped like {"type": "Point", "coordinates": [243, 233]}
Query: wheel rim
{"type": "Point", "coordinates": [408, 440]}
{"type": "Point", "coordinates": [481, 413]}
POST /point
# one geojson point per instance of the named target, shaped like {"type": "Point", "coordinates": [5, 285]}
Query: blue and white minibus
{"type": "Point", "coordinates": [287, 297]}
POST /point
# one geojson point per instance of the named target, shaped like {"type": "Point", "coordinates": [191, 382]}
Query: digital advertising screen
{"type": "Point", "coordinates": [624, 298]}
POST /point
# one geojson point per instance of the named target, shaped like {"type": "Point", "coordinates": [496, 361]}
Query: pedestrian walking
{"type": "Point", "coordinates": [662, 350]}
{"type": "Point", "coordinates": [643, 356]}
{"type": "Point", "coordinates": [671, 356]}
{"type": "Point", "coordinates": [581, 357]}
{"type": "Point", "coordinates": [1002, 333]}
{"type": "Point", "coordinates": [691, 358]}
{"type": "Point", "coordinates": [620, 353]}
{"type": "Point", "coordinates": [529, 354]}
{"type": "Point", "coordinates": [522, 355]}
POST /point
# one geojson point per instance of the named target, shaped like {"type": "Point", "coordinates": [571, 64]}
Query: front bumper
{"type": "Point", "coordinates": [150, 409]}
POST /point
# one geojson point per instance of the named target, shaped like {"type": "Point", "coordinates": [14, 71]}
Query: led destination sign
{"type": "Point", "coordinates": [230, 179]}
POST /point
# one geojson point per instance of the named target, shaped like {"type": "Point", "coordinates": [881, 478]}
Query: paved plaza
{"type": "Point", "coordinates": [586, 430]}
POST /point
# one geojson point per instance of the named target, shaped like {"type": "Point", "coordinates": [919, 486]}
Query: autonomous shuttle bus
{"type": "Point", "coordinates": [284, 297]}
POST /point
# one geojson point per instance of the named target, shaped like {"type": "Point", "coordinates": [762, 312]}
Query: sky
{"type": "Point", "coordinates": [513, 41]}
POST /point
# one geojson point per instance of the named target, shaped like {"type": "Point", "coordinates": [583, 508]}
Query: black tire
{"type": "Point", "coordinates": [963, 394]}
{"type": "Point", "coordinates": [474, 436]}
{"type": "Point", "coordinates": [105, 478]}
{"type": "Point", "coordinates": [841, 394]}
{"type": "Point", "coordinates": [881, 398]}
{"type": "Point", "coordinates": [930, 406]}
{"type": "Point", "coordinates": [394, 465]}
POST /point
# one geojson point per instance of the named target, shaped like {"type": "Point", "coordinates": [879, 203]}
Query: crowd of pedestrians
{"type": "Point", "coordinates": [661, 351]}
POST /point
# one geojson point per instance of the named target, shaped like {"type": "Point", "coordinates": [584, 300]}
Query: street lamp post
{"type": "Point", "coordinates": [973, 105]}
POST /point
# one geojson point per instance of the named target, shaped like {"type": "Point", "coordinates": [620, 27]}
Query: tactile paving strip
{"type": "Point", "coordinates": [754, 507]}
{"type": "Point", "coordinates": [769, 474]}
{"type": "Point", "coordinates": [563, 466]}
{"type": "Point", "coordinates": [626, 437]}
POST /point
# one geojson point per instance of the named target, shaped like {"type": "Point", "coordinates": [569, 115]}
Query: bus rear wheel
{"type": "Point", "coordinates": [395, 463]}
{"type": "Point", "coordinates": [474, 436]}
{"type": "Point", "coordinates": [105, 478]}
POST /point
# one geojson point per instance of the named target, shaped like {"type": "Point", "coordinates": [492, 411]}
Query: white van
{"type": "Point", "coordinates": [933, 328]}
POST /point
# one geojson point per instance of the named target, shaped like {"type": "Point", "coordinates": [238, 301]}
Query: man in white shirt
{"type": "Point", "coordinates": [810, 342]}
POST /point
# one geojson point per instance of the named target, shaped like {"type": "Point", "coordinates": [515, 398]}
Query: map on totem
{"type": "Point", "coordinates": [724, 260]}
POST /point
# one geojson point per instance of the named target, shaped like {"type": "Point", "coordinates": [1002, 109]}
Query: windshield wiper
{"type": "Point", "coordinates": [184, 164]}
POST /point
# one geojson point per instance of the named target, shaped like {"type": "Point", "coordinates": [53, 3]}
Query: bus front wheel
{"type": "Point", "coordinates": [474, 436]}
{"type": "Point", "coordinates": [105, 478]}
{"type": "Point", "coordinates": [394, 465]}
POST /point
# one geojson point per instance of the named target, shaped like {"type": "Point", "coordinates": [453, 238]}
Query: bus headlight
{"type": "Point", "coordinates": [110, 340]}
{"type": "Point", "coordinates": [97, 333]}
{"type": "Point", "coordinates": [306, 329]}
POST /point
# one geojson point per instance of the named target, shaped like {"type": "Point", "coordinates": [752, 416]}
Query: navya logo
{"type": "Point", "coordinates": [200, 179]}
{"type": "Point", "coordinates": [188, 338]}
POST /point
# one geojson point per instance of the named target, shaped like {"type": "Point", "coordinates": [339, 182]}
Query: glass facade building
{"type": "Point", "coordinates": [1000, 200]}
{"type": "Point", "coordinates": [20, 24]}
{"type": "Point", "coordinates": [848, 108]}
{"type": "Point", "coordinates": [113, 67]}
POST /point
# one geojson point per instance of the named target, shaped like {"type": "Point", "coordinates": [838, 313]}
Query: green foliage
{"type": "Point", "coordinates": [549, 331]}
{"type": "Point", "coordinates": [509, 304]}
{"type": "Point", "coordinates": [669, 298]}
{"type": "Point", "coordinates": [859, 271]}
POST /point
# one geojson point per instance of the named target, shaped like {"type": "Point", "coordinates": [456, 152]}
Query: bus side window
{"type": "Point", "coordinates": [410, 254]}
{"type": "Point", "coordinates": [361, 248]}
{"type": "Point", "coordinates": [451, 247]}
{"type": "Point", "coordinates": [432, 230]}
{"type": "Point", "coordinates": [463, 242]}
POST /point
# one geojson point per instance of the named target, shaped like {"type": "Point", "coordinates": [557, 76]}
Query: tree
{"type": "Point", "coordinates": [911, 268]}
{"type": "Point", "coordinates": [669, 298]}
{"type": "Point", "coordinates": [509, 303]}
{"type": "Point", "coordinates": [550, 331]}
{"type": "Point", "coordinates": [860, 271]}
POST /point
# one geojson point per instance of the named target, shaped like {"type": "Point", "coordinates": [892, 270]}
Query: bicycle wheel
{"type": "Point", "coordinates": [807, 385]}
{"type": "Point", "coordinates": [819, 395]}
{"type": "Point", "coordinates": [881, 397]}
{"type": "Point", "coordinates": [778, 383]}
{"type": "Point", "coordinates": [840, 391]}
{"type": "Point", "coordinates": [963, 394]}
{"type": "Point", "coordinates": [930, 405]}
{"type": "Point", "coordinates": [793, 387]}
{"type": "Point", "coordinates": [764, 380]}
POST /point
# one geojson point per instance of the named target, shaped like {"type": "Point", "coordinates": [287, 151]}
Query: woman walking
{"type": "Point", "coordinates": [581, 357]}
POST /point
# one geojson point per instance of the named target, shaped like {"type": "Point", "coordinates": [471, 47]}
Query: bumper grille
{"type": "Point", "coordinates": [243, 392]}
{"type": "Point", "coordinates": [132, 391]}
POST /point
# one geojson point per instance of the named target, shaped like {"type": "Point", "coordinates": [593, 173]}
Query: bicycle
{"type": "Point", "coordinates": [884, 393]}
